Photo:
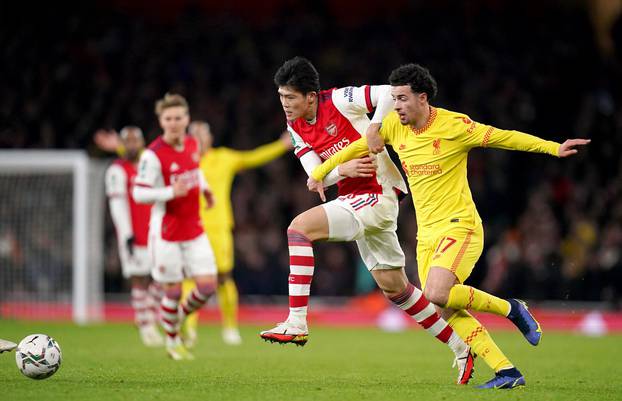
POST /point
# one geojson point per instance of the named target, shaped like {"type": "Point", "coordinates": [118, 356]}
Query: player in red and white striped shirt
{"type": "Point", "coordinates": [321, 123]}
{"type": "Point", "coordinates": [169, 176]}
{"type": "Point", "coordinates": [131, 221]}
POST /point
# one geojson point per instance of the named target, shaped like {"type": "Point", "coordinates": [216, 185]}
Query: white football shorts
{"type": "Point", "coordinates": [371, 221]}
{"type": "Point", "coordinates": [176, 260]}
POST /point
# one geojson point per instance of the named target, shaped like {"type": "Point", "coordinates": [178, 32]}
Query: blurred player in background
{"type": "Point", "coordinates": [169, 177]}
{"type": "Point", "coordinates": [6, 345]}
{"type": "Point", "coordinates": [219, 166]}
{"type": "Point", "coordinates": [131, 221]}
{"type": "Point", "coordinates": [321, 123]}
{"type": "Point", "coordinates": [433, 145]}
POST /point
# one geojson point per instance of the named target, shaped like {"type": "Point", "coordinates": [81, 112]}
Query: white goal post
{"type": "Point", "coordinates": [51, 233]}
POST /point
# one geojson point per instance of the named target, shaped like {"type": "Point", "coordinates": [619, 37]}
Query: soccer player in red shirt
{"type": "Point", "coordinates": [321, 123]}
{"type": "Point", "coordinates": [131, 221]}
{"type": "Point", "coordinates": [169, 177]}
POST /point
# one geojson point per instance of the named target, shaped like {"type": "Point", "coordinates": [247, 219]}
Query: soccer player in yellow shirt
{"type": "Point", "coordinates": [433, 145]}
{"type": "Point", "coordinates": [220, 165]}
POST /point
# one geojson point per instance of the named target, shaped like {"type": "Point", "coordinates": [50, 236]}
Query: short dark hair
{"type": "Point", "coordinates": [298, 73]}
{"type": "Point", "coordinates": [418, 77]}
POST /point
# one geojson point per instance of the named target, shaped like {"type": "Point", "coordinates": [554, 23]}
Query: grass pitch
{"type": "Point", "coordinates": [107, 362]}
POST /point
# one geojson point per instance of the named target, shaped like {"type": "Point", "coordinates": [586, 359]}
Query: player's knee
{"type": "Point", "coordinates": [206, 288]}
{"type": "Point", "coordinates": [224, 277]}
{"type": "Point", "coordinates": [436, 295]}
{"type": "Point", "coordinates": [390, 291]}
{"type": "Point", "coordinates": [173, 292]}
{"type": "Point", "coordinates": [391, 286]}
{"type": "Point", "coordinates": [141, 282]}
{"type": "Point", "coordinates": [298, 225]}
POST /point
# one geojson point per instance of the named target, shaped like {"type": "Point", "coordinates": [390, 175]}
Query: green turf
{"type": "Point", "coordinates": [108, 363]}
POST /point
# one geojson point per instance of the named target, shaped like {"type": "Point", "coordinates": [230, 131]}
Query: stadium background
{"type": "Point", "coordinates": [551, 68]}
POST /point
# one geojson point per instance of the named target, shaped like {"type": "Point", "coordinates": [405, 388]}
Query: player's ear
{"type": "Point", "coordinates": [311, 96]}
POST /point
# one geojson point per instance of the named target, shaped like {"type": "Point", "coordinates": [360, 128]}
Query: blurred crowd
{"type": "Point", "coordinates": [553, 227]}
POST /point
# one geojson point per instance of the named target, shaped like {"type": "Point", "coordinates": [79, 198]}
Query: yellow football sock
{"type": "Point", "coordinates": [466, 297]}
{"type": "Point", "coordinates": [228, 300]}
{"type": "Point", "coordinates": [476, 335]}
{"type": "Point", "coordinates": [192, 321]}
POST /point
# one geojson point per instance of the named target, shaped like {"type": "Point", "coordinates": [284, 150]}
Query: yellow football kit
{"type": "Point", "coordinates": [450, 233]}
{"type": "Point", "coordinates": [434, 159]}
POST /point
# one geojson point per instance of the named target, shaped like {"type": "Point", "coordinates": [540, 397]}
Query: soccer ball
{"type": "Point", "coordinates": [38, 356]}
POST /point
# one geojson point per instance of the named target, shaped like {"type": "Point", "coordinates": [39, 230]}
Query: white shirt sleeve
{"type": "Point", "coordinates": [149, 185]}
{"type": "Point", "coordinates": [310, 160]}
{"type": "Point", "coordinates": [116, 181]}
{"type": "Point", "coordinates": [120, 212]}
{"type": "Point", "coordinates": [355, 101]}
{"type": "Point", "coordinates": [381, 98]}
{"type": "Point", "coordinates": [116, 190]}
{"type": "Point", "coordinates": [300, 146]}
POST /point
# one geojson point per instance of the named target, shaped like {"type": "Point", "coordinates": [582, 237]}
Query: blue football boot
{"type": "Point", "coordinates": [524, 320]}
{"type": "Point", "coordinates": [505, 379]}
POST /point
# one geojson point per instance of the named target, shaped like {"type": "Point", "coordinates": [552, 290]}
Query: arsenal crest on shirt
{"type": "Point", "coordinates": [331, 128]}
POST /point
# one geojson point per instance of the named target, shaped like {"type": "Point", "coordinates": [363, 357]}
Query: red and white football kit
{"type": "Point", "coordinates": [180, 246]}
{"type": "Point", "coordinates": [366, 209]}
{"type": "Point", "coordinates": [131, 219]}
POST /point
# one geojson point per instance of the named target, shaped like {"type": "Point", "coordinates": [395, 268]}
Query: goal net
{"type": "Point", "coordinates": [50, 236]}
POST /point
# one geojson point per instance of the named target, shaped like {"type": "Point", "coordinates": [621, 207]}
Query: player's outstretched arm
{"type": "Point", "coordinates": [265, 153]}
{"type": "Point", "coordinates": [355, 168]}
{"type": "Point", "coordinates": [355, 150]}
{"type": "Point", "coordinates": [482, 135]}
{"type": "Point", "coordinates": [568, 147]}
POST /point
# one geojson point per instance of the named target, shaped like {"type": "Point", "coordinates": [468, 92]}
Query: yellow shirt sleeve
{"type": "Point", "coordinates": [356, 149]}
{"type": "Point", "coordinates": [483, 135]}
{"type": "Point", "coordinates": [259, 156]}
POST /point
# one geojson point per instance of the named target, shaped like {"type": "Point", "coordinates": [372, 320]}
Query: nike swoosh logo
{"type": "Point", "coordinates": [505, 384]}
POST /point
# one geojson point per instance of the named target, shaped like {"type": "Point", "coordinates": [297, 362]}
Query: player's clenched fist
{"type": "Point", "coordinates": [209, 198]}
{"type": "Point", "coordinates": [374, 140]}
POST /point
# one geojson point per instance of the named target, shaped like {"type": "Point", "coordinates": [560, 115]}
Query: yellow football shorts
{"type": "Point", "coordinates": [222, 244]}
{"type": "Point", "coordinates": [454, 248]}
